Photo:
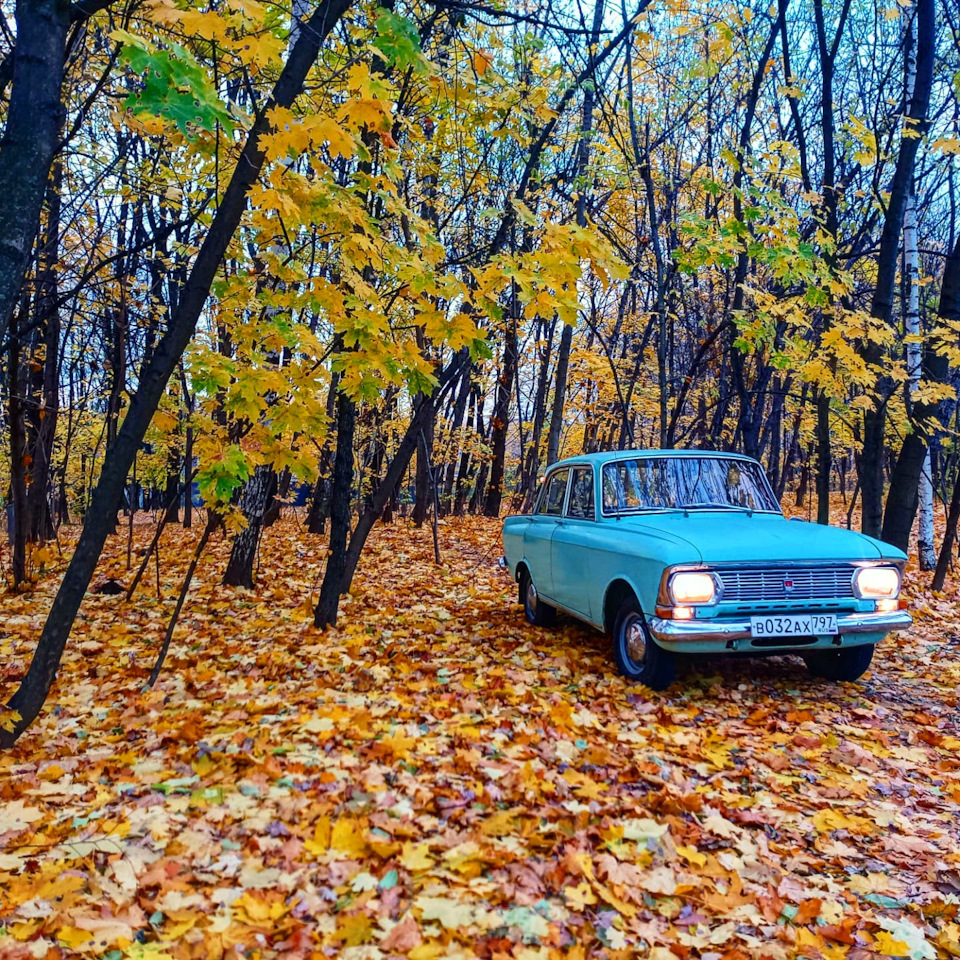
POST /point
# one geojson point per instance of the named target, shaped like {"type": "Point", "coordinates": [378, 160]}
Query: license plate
{"type": "Point", "coordinates": [800, 625]}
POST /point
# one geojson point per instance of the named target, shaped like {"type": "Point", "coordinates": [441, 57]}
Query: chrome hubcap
{"type": "Point", "coordinates": [634, 638]}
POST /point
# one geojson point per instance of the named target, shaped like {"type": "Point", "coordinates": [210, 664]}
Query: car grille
{"type": "Point", "coordinates": [810, 583]}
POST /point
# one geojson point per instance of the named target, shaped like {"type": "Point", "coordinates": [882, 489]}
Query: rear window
{"type": "Point", "coordinates": [552, 502]}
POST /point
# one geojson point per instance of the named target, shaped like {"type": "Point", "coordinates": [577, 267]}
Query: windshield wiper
{"type": "Point", "coordinates": [711, 505]}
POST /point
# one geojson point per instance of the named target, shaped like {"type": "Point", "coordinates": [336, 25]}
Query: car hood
{"type": "Point", "coordinates": [728, 537]}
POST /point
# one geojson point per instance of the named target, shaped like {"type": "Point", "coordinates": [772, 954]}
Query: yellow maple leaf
{"type": "Point", "coordinates": [254, 911]}
{"type": "Point", "coordinates": [416, 858]}
{"type": "Point", "coordinates": [73, 937]}
{"type": "Point", "coordinates": [482, 61]}
{"type": "Point", "coordinates": [354, 929]}
{"type": "Point", "coordinates": [348, 837]}
{"type": "Point", "coordinates": [885, 943]}
{"type": "Point", "coordinates": [498, 825]}
{"type": "Point", "coordinates": [580, 896]}
{"type": "Point", "coordinates": [692, 855]}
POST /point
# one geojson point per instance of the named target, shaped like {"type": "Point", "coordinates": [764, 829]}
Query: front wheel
{"type": "Point", "coordinates": [849, 664]}
{"type": "Point", "coordinates": [635, 651]}
{"type": "Point", "coordinates": [537, 612]}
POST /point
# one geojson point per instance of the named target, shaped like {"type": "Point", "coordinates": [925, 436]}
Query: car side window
{"type": "Point", "coordinates": [581, 494]}
{"type": "Point", "coordinates": [552, 503]}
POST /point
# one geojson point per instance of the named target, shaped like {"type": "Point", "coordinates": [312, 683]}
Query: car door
{"type": "Point", "coordinates": [547, 514]}
{"type": "Point", "coordinates": [571, 545]}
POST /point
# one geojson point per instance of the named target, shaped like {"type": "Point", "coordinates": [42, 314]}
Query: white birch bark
{"type": "Point", "coordinates": [911, 323]}
{"type": "Point", "coordinates": [911, 271]}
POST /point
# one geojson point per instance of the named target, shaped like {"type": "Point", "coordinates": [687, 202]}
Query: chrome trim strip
{"type": "Point", "coordinates": [720, 631]}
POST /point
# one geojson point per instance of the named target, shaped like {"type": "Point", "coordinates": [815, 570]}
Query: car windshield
{"type": "Point", "coordinates": [677, 483]}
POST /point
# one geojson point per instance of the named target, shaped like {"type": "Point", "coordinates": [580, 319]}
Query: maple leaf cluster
{"type": "Point", "coordinates": [436, 778]}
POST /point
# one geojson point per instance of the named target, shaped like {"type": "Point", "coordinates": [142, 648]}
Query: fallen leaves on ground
{"type": "Point", "coordinates": [436, 778]}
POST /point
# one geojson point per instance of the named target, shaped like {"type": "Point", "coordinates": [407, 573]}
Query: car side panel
{"type": "Point", "coordinates": [513, 531]}
{"type": "Point", "coordinates": [573, 550]}
{"type": "Point", "coordinates": [536, 548]}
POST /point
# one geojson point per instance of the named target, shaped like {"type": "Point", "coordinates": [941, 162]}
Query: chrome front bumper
{"type": "Point", "coordinates": [706, 635]}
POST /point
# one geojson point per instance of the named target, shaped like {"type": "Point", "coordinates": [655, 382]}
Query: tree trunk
{"type": "Point", "coordinates": [905, 480]}
{"type": "Point", "coordinates": [926, 548]}
{"type": "Point", "coordinates": [334, 577]}
{"type": "Point", "coordinates": [18, 459]}
{"type": "Point", "coordinates": [30, 138]}
{"type": "Point", "coordinates": [281, 488]}
{"type": "Point", "coordinates": [501, 411]}
{"type": "Point", "coordinates": [254, 501]}
{"type": "Point", "coordinates": [154, 375]}
{"type": "Point", "coordinates": [882, 305]}
{"type": "Point", "coordinates": [319, 508]}
{"type": "Point", "coordinates": [949, 539]}
{"type": "Point", "coordinates": [42, 410]}
{"type": "Point", "coordinates": [827, 53]}
{"type": "Point", "coordinates": [188, 477]}
{"type": "Point", "coordinates": [423, 490]}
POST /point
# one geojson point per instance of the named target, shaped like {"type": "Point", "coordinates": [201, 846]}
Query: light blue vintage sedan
{"type": "Point", "coordinates": [681, 551]}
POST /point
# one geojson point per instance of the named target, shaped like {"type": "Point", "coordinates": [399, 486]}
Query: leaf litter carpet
{"type": "Point", "coordinates": [436, 778]}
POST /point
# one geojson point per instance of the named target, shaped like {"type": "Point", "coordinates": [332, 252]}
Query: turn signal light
{"type": "Point", "coordinates": [674, 613]}
{"type": "Point", "coordinates": [888, 606]}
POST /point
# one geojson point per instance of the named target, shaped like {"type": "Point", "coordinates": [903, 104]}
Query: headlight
{"type": "Point", "coordinates": [692, 587]}
{"type": "Point", "coordinates": [880, 583]}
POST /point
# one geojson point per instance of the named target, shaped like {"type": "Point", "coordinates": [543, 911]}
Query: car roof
{"type": "Point", "coordinates": [611, 456]}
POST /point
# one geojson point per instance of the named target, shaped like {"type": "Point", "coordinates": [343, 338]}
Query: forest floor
{"type": "Point", "coordinates": [436, 778]}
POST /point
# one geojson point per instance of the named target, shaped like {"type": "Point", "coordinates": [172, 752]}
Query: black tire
{"type": "Point", "coordinates": [537, 612]}
{"type": "Point", "coordinates": [849, 664]}
{"type": "Point", "coordinates": [637, 655]}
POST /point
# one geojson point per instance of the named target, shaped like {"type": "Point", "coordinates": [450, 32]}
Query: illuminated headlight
{"type": "Point", "coordinates": [692, 587]}
{"type": "Point", "coordinates": [877, 583]}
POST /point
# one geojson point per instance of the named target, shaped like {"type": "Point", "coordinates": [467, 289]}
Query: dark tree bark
{"type": "Point", "coordinates": [171, 494]}
{"type": "Point", "coordinates": [256, 496]}
{"type": "Point", "coordinates": [30, 138]}
{"type": "Point", "coordinates": [501, 411]}
{"type": "Point", "coordinates": [32, 693]}
{"type": "Point", "coordinates": [319, 508]}
{"type": "Point", "coordinates": [750, 406]}
{"type": "Point", "coordinates": [334, 577]}
{"type": "Point", "coordinates": [18, 458]}
{"type": "Point", "coordinates": [464, 467]}
{"type": "Point", "coordinates": [445, 496]}
{"type": "Point", "coordinates": [281, 489]}
{"type": "Point", "coordinates": [949, 539]}
{"type": "Point", "coordinates": [43, 407]}
{"type": "Point", "coordinates": [531, 467]}
{"type": "Point", "coordinates": [423, 488]}
{"type": "Point", "coordinates": [871, 462]}
{"type": "Point", "coordinates": [827, 53]}
{"type": "Point", "coordinates": [555, 429]}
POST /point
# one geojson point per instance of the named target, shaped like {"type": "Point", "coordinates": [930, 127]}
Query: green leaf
{"type": "Point", "coordinates": [175, 86]}
{"type": "Point", "coordinates": [398, 41]}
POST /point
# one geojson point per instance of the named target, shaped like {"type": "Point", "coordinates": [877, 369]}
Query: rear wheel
{"type": "Point", "coordinates": [538, 613]}
{"type": "Point", "coordinates": [849, 664]}
{"type": "Point", "coordinates": [635, 651]}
